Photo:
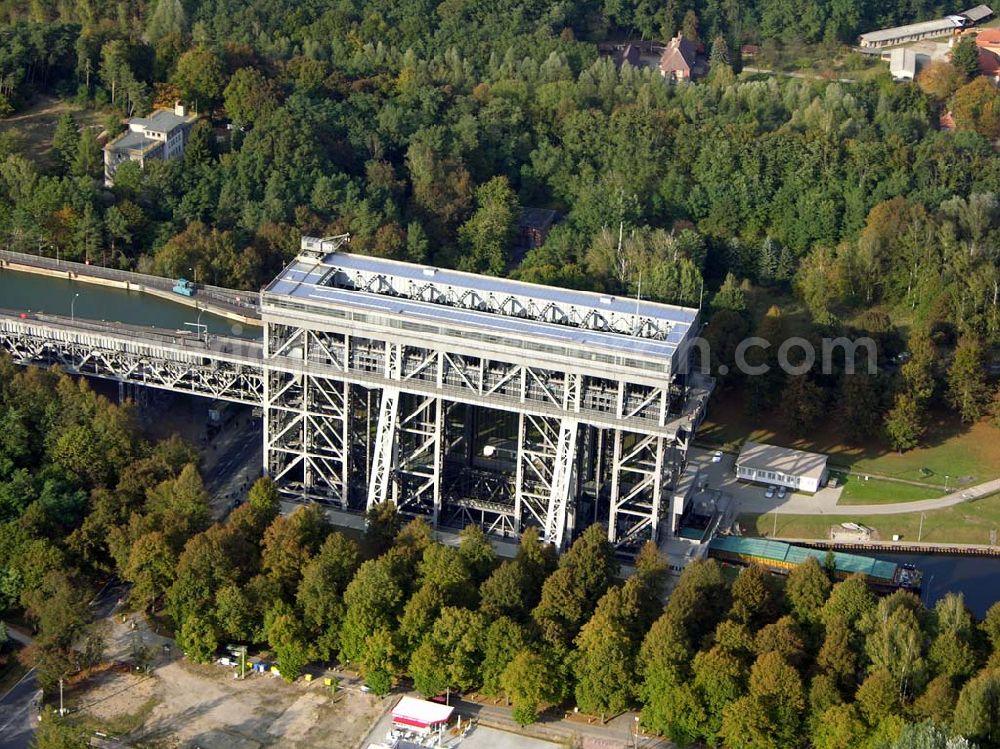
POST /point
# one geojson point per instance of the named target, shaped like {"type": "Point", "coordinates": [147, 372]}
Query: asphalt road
{"type": "Point", "coordinates": [18, 713]}
{"type": "Point", "coordinates": [19, 707]}
{"type": "Point", "coordinates": [238, 462]}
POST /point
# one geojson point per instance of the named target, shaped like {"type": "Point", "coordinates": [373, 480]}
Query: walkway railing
{"type": "Point", "coordinates": [246, 302]}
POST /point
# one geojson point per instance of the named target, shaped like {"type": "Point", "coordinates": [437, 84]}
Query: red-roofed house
{"type": "Point", "coordinates": [679, 59]}
{"type": "Point", "coordinates": [988, 41]}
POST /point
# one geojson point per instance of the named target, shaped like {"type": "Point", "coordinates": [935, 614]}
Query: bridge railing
{"type": "Point", "coordinates": [245, 301]}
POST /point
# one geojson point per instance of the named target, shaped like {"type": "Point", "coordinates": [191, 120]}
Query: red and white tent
{"type": "Point", "coordinates": [421, 715]}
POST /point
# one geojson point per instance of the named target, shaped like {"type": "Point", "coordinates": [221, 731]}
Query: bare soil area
{"type": "Point", "coordinates": [182, 705]}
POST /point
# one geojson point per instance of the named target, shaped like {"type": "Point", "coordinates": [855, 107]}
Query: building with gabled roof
{"type": "Point", "coordinates": [679, 59]}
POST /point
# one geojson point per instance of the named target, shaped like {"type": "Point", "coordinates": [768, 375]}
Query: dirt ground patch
{"type": "Point", "coordinates": [203, 706]}
{"type": "Point", "coordinates": [206, 707]}
{"type": "Point", "coordinates": [34, 126]}
{"type": "Point", "coordinates": [182, 705]}
{"type": "Point", "coordinates": [114, 695]}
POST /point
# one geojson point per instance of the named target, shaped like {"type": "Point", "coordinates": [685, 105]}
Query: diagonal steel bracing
{"type": "Point", "coordinates": [637, 486]}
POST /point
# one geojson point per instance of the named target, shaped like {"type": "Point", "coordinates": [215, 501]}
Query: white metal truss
{"type": "Point", "coordinates": [418, 455]}
{"type": "Point", "coordinates": [637, 486]}
{"type": "Point", "coordinates": [545, 473]}
{"type": "Point", "coordinates": [321, 385]}
{"type": "Point", "coordinates": [227, 369]}
{"type": "Point", "coordinates": [380, 479]}
{"type": "Point", "coordinates": [599, 313]}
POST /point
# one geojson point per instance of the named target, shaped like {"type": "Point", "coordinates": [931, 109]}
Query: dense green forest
{"type": "Point", "coordinates": [748, 660]}
{"type": "Point", "coordinates": [422, 130]}
{"type": "Point", "coordinates": [73, 468]}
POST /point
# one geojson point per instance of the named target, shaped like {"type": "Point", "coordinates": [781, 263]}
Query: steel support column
{"type": "Point", "coordinates": [637, 485]}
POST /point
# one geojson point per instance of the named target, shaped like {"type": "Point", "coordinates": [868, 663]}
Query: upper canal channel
{"type": "Point", "coordinates": [28, 292]}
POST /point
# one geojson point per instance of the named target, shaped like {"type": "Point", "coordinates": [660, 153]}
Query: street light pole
{"type": "Point", "coordinates": [72, 308]}
{"type": "Point", "coordinates": [62, 710]}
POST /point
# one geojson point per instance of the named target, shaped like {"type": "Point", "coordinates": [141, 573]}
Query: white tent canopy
{"type": "Point", "coordinates": [420, 714]}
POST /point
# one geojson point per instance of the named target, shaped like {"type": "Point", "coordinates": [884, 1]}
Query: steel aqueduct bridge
{"type": "Point", "coordinates": [459, 397]}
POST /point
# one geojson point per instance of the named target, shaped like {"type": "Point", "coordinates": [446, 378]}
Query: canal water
{"type": "Point", "coordinates": [27, 292]}
{"type": "Point", "coordinates": [978, 578]}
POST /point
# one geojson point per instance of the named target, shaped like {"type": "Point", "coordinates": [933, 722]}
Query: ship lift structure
{"type": "Point", "coordinates": [459, 397]}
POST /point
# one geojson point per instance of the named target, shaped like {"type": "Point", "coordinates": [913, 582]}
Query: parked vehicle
{"type": "Point", "coordinates": [782, 491]}
{"type": "Point", "coordinates": [717, 456]}
{"type": "Point", "coordinates": [770, 492]}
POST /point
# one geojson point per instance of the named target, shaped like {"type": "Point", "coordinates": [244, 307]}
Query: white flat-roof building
{"type": "Point", "coordinates": [781, 466]}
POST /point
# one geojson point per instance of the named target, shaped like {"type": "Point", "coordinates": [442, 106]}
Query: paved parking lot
{"type": "Point", "coordinates": [746, 497]}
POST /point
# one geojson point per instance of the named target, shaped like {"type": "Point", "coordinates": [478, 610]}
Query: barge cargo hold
{"type": "Point", "coordinates": [781, 557]}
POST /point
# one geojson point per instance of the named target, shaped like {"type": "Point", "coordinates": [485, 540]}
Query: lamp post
{"type": "Point", "coordinates": [72, 307]}
{"type": "Point", "coordinates": [194, 273]}
{"type": "Point", "coordinates": [635, 733]}
{"type": "Point", "coordinates": [946, 478]}
{"type": "Point", "coordinates": [920, 530]}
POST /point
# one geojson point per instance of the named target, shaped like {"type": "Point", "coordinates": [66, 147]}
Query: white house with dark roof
{"type": "Point", "coordinates": [781, 466]}
{"type": "Point", "coordinates": [162, 135]}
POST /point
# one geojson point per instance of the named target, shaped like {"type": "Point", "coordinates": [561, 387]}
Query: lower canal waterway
{"type": "Point", "coordinates": [976, 577]}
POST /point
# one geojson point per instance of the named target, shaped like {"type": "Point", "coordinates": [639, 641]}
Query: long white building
{"type": "Point", "coordinates": [925, 29]}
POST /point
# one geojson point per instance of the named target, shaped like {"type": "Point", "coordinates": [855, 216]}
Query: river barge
{"type": "Point", "coordinates": [780, 557]}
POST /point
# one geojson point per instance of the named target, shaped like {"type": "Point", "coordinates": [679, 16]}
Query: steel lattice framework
{"type": "Point", "coordinates": [600, 411]}
{"type": "Point", "coordinates": [226, 369]}
{"type": "Point", "coordinates": [458, 397]}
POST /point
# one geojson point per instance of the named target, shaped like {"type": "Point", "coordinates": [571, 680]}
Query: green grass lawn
{"type": "Point", "coordinates": [954, 454]}
{"type": "Point", "coordinates": [966, 523]}
{"type": "Point", "coordinates": [858, 491]}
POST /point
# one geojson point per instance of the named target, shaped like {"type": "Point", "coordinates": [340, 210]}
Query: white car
{"type": "Point", "coordinates": [770, 492]}
{"type": "Point", "coordinates": [782, 491]}
{"type": "Point", "coordinates": [717, 456]}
